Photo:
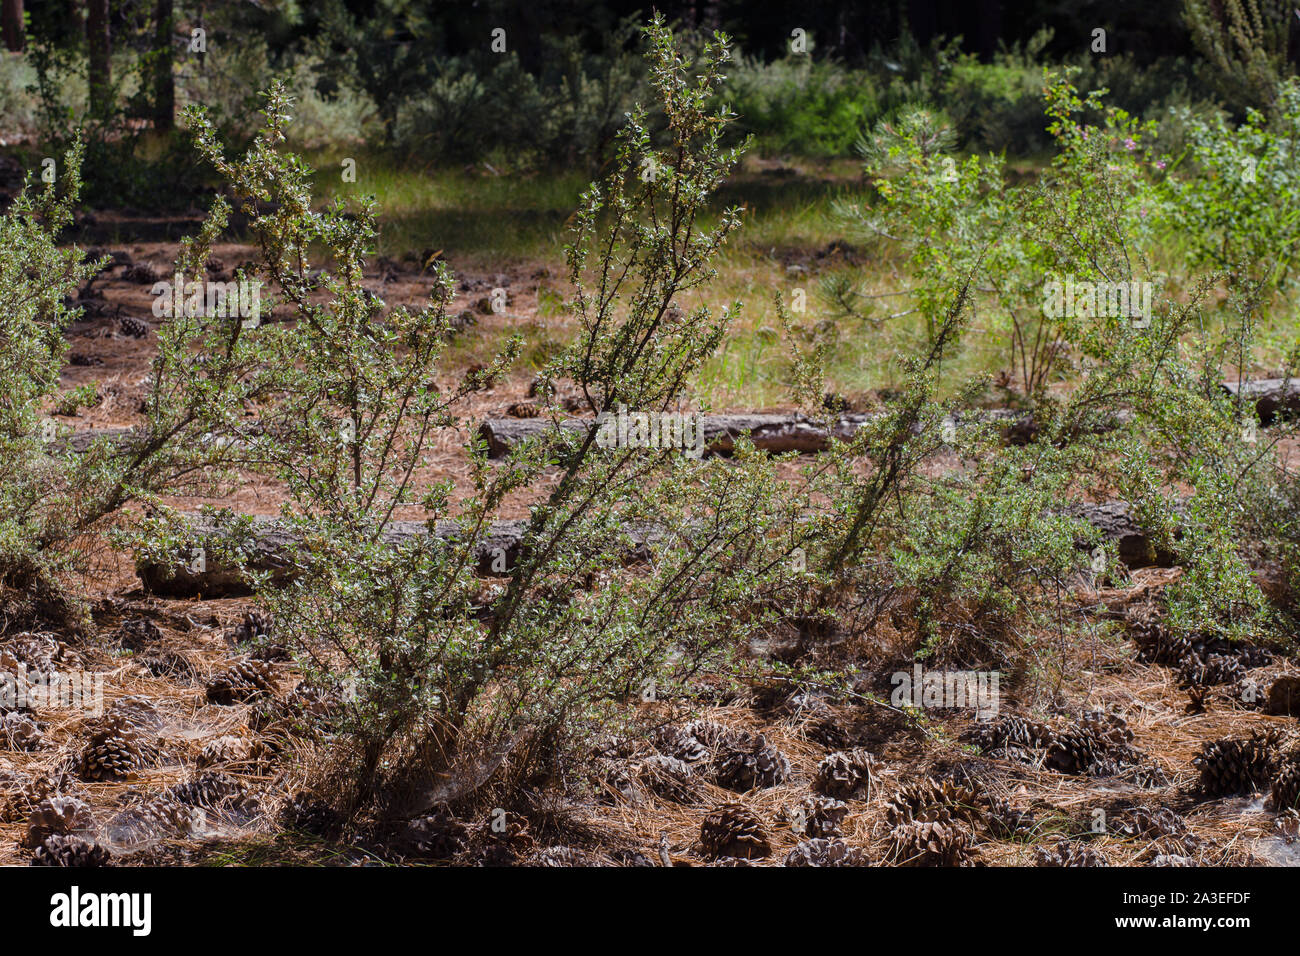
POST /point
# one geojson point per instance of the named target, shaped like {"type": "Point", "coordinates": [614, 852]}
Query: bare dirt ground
{"type": "Point", "coordinates": [1004, 804]}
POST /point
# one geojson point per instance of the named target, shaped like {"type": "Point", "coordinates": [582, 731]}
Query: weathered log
{"type": "Point", "coordinates": [268, 544]}
{"type": "Point", "coordinates": [1272, 397]}
{"type": "Point", "coordinates": [79, 442]}
{"type": "Point", "coordinates": [778, 433]}
{"type": "Point", "coordinates": [1115, 520]}
{"type": "Point", "coordinates": [196, 568]}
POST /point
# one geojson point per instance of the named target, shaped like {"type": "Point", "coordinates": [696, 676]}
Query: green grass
{"type": "Point", "coordinates": [484, 223]}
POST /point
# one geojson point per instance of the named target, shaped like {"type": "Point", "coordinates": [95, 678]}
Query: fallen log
{"type": "Point", "coordinates": [267, 545]}
{"type": "Point", "coordinates": [1272, 397]}
{"type": "Point", "coordinates": [79, 442]}
{"type": "Point", "coordinates": [1118, 526]}
{"type": "Point", "coordinates": [774, 433]}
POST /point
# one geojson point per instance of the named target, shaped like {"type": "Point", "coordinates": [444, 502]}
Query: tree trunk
{"type": "Point", "coordinates": [99, 48]}
{"type": "Point", "coordinates": [11, 20]}
{"type": "Point", "coordinates": [164, 85]}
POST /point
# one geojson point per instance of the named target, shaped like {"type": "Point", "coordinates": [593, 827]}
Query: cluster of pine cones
{"type": "Point", "coordinates": [935, 822]}
{"type": "Point", "coordinates": [689, 753]}
{"type": "Point", "coordinates": [1097, 744]}
{"type": "Point", "coordinates": [1242, 765]}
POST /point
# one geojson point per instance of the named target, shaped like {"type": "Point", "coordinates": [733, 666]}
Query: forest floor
{"type": "Point", "coordinates": [1010, 802]}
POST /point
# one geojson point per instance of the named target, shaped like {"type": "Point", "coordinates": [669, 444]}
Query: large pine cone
{"type": "Point", "coordinates": [1068, 853]}
{"type": "Point", "coordinates": [846, 775]}
{"type": "Point", "coordinates": [1284, 696]}
{"type": "Point", "coordinates": [1286, 787]}
{"type": "Point", "coordinates": [59, 849]}
{"type": "Point", "coordinates": [173, 666]}
{"type": "Point", "coordinates": [21, 732]}
{"type": "Point", "coordinates": [1005, 822]}
{"type": "Point", "coordinates": [697, 740]}
{"type": "Point", "coordinates": [931, 843]}
{"type": "Point", "coordinates": [22, 802]}
{"type": "Point", "coordinates": [255, 624]}
{"type": "Point", "coordinates": [732, 830]}
{"type": "Point", "coordinates": [818, 817]}
{"type": "Point", "coordinates": [1096, 743]}
{"type": "Point", "coordinates": [675, 742]}
{"type": "Point", "coordinates": [1011, 736]}
{"type": "Point", "coordinates": [247, 680]}
{"type": "Point", "coordinates": [138, 711]}
{"type": "Point", "coordinates": [755, 765]}
{"type": "Point", "coordinates": [216, 791]}
{"type": "Point", "coordinates": [822, 852]}
{"type": "Point", "coordinates": [115, 750]}
{"type": "Point", "coordinates": [1158, 823]}
{"type": "Point", "coordinates": [223, 750]}
{"type": "Point", "coordinates": [667, 777]}
{"type": "Point", "coordinates": [940, 802]}
{"type": "Point", "coordinates": [507, 828]}
{"type": "Point", "coordinates": [1237, 764]}
{"type": "Point", "coordinates": [57, 815]}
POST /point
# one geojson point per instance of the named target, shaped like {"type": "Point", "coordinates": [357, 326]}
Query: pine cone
{"type": "Point", "coordinates": [846, 775]}
{"type": "Point", "coordinates": [667, 777]}
{"type": "Point", "coordinates": [829, 732]}
{"type": "Point", "coordinates": [818, 817]}
{"type": "Point", "coordinates": [438, 835]}
{"type": "Point", "coordinates": [216, 791]}
{"type": "Point", "coordinates": [1237, 764]}
{"type": "Point", "coordinates": [523, 410]}
{"type": "Point", "coordinates": [1099, 745]}
{"type": "Point", "coordinates": [141, 273]}
{"type": "Point", "coordinates": [133, 327]}
{"type": "Point", "coordinates": [1159, 823]}
{"type": "Point", "coordinates": [1286, 787]}
{"type": "Point", "coordinates": [57, 815]}
{"type": "Point", "coordinates": [677, 743]}
{"type": "Point", "coordinates": [245, 681]}
{"type": "Point", "coordinates": [940, 802]}
{"type": "Point", "coordinates": [757, 765]}
{"type": "Point", "coordinates": [21, 732]}
{"type": "Point", "coordinates": [28, 796]}
{"type": "Point", "coordinates": [562, 856]}
{"type": "Point", "coordinates": [137, 634]}
{"type": "Point", "coordinates": [115, 750]}
{"type": "Point", "coordinates": [1006, 823]}
{"type": "Point", "coordinates": [508, 829]}
{"type": "Point", "coordinates": [1010, 735]}
{"type": "Point", "coordinates": [732, 830]}
{"type": "Point", "coordinates": [171, 666]}
{"type": "Point", "coordinates": [821, 852]}
{"type": "Point", "coordinates": [138, 711]}
{"type": "Point", "coordinates": [60, 849]}
{"type": "Point", "coordinates": [1284, 696]}
{"type": "Point", "coordinates": [1067, 853]}
{"type": "Point", "coordinates": [254, 625]}
{"type": "Point", "coordinates": [931, 843]}
{"type": "Point", "coordinates": [223, 750]}
{"type": "Point", "coordinates": [715, 735]}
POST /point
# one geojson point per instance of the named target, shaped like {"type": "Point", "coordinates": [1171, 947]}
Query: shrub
{"type": "Point", "coordinates": [447, 676]}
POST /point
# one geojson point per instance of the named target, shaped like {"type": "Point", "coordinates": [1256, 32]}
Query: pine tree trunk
{"type": "Point", "coordinates": [11, 21]}
{"type": "Point", "coordinates": [99, 47]}
{"type": "Point", "coordinates": [164, 85]}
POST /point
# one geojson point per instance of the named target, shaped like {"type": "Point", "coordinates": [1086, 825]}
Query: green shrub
{"type": "Point", "coordinates": [448, 676]}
